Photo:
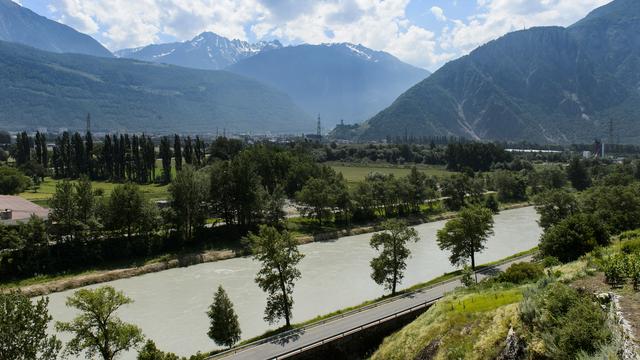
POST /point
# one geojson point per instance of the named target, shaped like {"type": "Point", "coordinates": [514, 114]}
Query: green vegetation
{"type": "Point", "coordinates": [97, 330]}
{"type": "Point", "coordinates": [47, 188]}
{"type": "Point", "coordinates": [224, 328]}
{"type": "Point", "coordinates": [388, 267]}
{"type": "Point", "coordinates": [127, 94]}
{"type": "Point", "coordinates": [355, 173]}
{"type": "Point", "coordinates": [12, 181]}
{"type": "Point", "coordinates": [466, 234]}
{"type": "Point", "coordinates": [279, 256]}
{"type": "Point", "coordinates": [23, 329]}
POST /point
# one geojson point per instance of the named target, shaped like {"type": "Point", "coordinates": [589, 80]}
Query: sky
{"type": "Point", "coordinates": [424, 33]}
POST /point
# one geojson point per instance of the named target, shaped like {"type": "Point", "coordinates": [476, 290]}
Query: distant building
{"type": "Point", "coordinates": [586, 154]}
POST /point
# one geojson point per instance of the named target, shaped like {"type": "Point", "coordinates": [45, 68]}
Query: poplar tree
{"type": "Point", "coordinates": [177, 152]}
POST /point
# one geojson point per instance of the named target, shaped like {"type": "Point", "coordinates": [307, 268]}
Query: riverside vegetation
{"type": "Point", "coordinates": [246, 192]}
{"type": "Point", "coordinates": [572, 310]}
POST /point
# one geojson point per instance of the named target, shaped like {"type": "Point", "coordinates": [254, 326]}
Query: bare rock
{"type": "Point", "coordinates": [514, 348]}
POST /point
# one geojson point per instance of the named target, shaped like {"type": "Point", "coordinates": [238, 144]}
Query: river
{"type": "Point", "coordinates": [170, 305]}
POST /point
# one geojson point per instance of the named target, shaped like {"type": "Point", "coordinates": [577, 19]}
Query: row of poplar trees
{"type": "Point", "coordinates": [117, 158]}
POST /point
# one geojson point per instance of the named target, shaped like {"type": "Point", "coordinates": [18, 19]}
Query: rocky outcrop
{"type": "Point", "coordinates": [514, 348]}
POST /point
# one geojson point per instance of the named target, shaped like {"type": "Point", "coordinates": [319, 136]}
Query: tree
{"type": "Point", "coordinates": [574, 236]}
{"type": "Point", "coordinates": [578, 174]}
{"type": "Point", "coordinates": [85, 202]}
{"type": "Point", "coordinates": [188, 195]}
{"type": "Point", "coordinates": [63, 208]}
{"type": "Point", "coordinates": [125, 209]}
{"type": "Point", "coordinates": [554, 206]}
{"type": "Point", "coordinates": [388, 268]}
{"type": "Point", "coordinates": [97, 330]}
{"type": "Point", "coordinates": [278, 254]}
{"type": "Point", "coordinates": [224, 328]}
{"type": "Point", "coordinates": [466, 234]}
{"type": "Point", "coordinates": [510, 186]}
{"type": "Point", "coordinates": [455, 189]}
{"type": "Point", "coordinates": [317, 198]}
{"type": "Point", "coordinates": [23, 329]}
{"type": "Point", "coordinates": [177, 152]}
{"type": "Point", "coordinates": [165, 155]}
{"type": "Point", "coordinates": [12, 181]}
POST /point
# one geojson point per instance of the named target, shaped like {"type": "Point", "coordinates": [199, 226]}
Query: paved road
{"type": "Point", "coordinates": [305, 337]}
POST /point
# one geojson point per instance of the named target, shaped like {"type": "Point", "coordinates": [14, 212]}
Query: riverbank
{"type": "Point", "coordinates": [77, 280]}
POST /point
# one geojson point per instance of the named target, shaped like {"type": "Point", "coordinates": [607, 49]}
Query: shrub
{"type": "Point", "coordinates": [631, 246]}
{"type": "Point", "coordinates": [492, 204]}
{"type": "Point", "coordinates": [550, 261]}
{"type": "Point", "coordinates": [573, 237]}
{"type": "Point", "coordinates": [520, 273]}
{"type": "Point", "coordinates": [582, 330]}
{"type": "Point", "coordinates": [615, 270]}
{"type": "Point", "coordinates": [468, 277]}
{"type": "Point", "coordinates": [12, 181]}
{"type": "Point", "coordinates": [633, 270]}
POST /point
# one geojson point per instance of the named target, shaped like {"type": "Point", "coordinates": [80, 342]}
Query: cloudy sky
{"type": "Point", "coordinates": [425, 33]}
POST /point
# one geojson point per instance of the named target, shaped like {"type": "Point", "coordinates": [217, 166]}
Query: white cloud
{"type": "Point", "coordinates": [438, 13]}
{"type": "Point", "coordinates": [378, 24]}
{"type": "Point", "coordinates": [498, 17]}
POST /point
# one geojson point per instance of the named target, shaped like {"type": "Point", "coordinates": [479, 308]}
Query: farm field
{"type": "Point", "coordinates": [48, 188]}
{"type": "Point", "coordinates": [354, 173]}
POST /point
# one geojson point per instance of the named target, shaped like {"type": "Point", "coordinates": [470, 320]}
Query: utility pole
{"type": "Point", "coordinates": [319, 129]}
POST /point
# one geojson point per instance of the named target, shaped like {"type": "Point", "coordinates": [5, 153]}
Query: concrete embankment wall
{"type": "Point", "coordinates": [361, 344]}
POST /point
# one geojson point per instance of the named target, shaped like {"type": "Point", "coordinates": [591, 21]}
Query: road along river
{"type": "Point", "coordinates": [170, 306]}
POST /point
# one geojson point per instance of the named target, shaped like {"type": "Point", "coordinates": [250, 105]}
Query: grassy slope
{"type": "Point", "coordinates": [473, 324]}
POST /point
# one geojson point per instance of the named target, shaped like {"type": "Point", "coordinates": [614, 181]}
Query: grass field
{"type": "Point", "coordinates": [355, 173]}
{"type": "Point", "coordinates": [48, 188]}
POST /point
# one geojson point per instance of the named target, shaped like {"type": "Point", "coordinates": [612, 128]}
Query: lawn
{"type": "Point", "coordinates": [355, 173]}
{"type": "Point", "coordinates": [48, 187]}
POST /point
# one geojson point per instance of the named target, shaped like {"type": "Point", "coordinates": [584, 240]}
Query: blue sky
{"type": "Point", "coordinates": [425, 33]}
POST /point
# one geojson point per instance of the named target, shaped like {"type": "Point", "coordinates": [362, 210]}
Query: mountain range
{"type": "Point", "coordinates": [45, 89]}
{"type": "Point", "coordinates": [206, 51]}
{"type": "Point", "coordinates": [21, 25]}
{"type": "Point", "coordinates": [338, 81]}
{"type": "Point", "coordinates": [547, 84]}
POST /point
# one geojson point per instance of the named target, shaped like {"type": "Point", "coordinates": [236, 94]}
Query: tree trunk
{"type": "Point", "coordinates": [473, 266]}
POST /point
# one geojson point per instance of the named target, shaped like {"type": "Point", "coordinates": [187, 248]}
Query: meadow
{"type": "Point", "coordinates": [47, 188]}
{"type": "Point", "coordinates": [355, 173]}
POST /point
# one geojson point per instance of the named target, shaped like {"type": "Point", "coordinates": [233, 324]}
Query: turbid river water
{"type": "Point", "coordinates": [170, 305]}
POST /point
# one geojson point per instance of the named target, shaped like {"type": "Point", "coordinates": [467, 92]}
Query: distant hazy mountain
{"type": "Point", "coordinates": [43, 89]}
{"type": "Point", "coordinates": [548, 84]}
{"type": "Point", "coordinates": [337, 81]}
{"type": "Point", "coordinates": [206, 51]}
{"type": "Point", "coordinates": [21, 25]}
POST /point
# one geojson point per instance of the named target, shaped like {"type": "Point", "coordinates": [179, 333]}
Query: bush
{"type": "Point", "coordinates": [151, 352]}
{"type": "Point", "coordinates": [521, 273]}
{"type": "Point", "coordinates": [633, 270]}
{"type": "Point", "coordinates": [582, 329]}
{"type": "Point", "coordinates": [492, 204]}
{"type": "Point", "coordinates": [12, 181]}
{"type": "Point", "coordinates": [568, 321]}
{"type": "Point", "coordinates": [631, 246]}
{"type": "Point", "coordinates": [573, 237]}
{"type": "Point", "coordinates": [615, 270]}
{"type": "Point", "coordinates": [550, 261]}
